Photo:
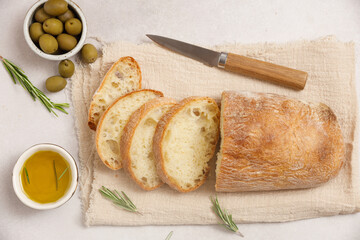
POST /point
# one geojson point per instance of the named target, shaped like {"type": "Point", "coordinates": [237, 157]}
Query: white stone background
{"type": "Point", "coordinates": [204, 22]}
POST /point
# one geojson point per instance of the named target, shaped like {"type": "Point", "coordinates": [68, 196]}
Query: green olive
{"type": "Point", "coordinates": [66, 68]}
{"type": "Point", "coordinates": [36, 31]}
{"type": "Point", "coordinates": [53, 26]}
{"type": "Point", "coordinates": [55, 7]}
{"type": "Point", "coordinates": [89, 53]}
{"type": "Point", "coordinates": [73, 26]}
{"type": "Point", "coordinates": [48, 43]}
{"type": "Point", "coordinates": [66, 16]}
{"type": "Point", "coordinates": [55, 84]}
{"type": "Point", "coordinates": [66, 41]}
{"type": "Point", "coordinates": [41, 15]}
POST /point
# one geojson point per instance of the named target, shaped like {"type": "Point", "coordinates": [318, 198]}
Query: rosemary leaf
{"type": "Point", "coordinates": [56, 179]}
{"type": "Point", "coordinates": [22, 80]}
{"type": "Point", "coordinates": [11, 75]}
{"type": "Point", "coordinates": [225, 217]}
{"type": "Point", "coordinates": [127, 199]}
{"type": "Point", "coordinates": [19, 70]}
{"type": "Point", "coordinates": [27, 175]}
{"type": "Point", "coordinates": [63, 173]}
{"type": "Point", "coordinates": [18, 75]}
{"type": "Point", "coordinates": [60, 106]}
{"type": "Point", "coordinates": [122, 201]}
{"type": "Point", "coordinates": [169, 235]}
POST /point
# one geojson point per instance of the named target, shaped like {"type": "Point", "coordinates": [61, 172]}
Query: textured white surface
{"type": "Point", "coordinates": [25, 123]}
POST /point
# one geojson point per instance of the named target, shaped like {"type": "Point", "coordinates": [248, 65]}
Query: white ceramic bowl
{"type": "Point", "coordinates": [16, 178]}
{"type": "Point", "coordinates": [29, 20]}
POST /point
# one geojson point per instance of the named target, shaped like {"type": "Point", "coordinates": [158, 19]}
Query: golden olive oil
{"type": "Point", "coordinates": [39, 180]}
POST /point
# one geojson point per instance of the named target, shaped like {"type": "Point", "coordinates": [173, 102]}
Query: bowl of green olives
{"type": "Point", "coordinates": [55, 29]}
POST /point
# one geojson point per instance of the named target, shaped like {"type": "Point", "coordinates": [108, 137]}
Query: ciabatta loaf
{"type": "Point", "coordinates": [113, 121]}
{"type": "Point", "coordinates": [184, 142]}
{"type": "Point", "coordinates": [272, 142]}
{"type": "Point", "coordinates": [137, 142]}
{"type": "Point", "coordinates": [123, 77]}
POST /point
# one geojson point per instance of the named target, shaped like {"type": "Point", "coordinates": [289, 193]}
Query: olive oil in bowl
{"type": "Point", "coordinates": [45, 177]}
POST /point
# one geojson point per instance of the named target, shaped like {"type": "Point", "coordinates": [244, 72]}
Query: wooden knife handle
{"type": "Point", "coordinates": [265, 71]}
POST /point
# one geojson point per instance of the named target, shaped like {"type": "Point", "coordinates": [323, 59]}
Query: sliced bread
{"type": "Point", "coordinates": [137, 142]}
{"type": "Point", "coordinates": [113, 121]}
{"type": "Point", "coordinates": [123, 77]}
{"type": "Point", "coordinates": [185, 140]}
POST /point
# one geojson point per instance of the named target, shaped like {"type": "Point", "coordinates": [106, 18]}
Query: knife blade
{"type": "Point", "coordinates": [250, 67]}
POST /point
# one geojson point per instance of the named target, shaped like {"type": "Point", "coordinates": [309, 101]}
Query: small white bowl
{"type": "Point", "coordinates": [29, 20]}
{"type": "Point", "coordinates": [16, 178]}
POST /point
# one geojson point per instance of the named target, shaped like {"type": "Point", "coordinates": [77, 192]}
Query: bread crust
{"type": "Point", "coordinates": [159, 136]}
{"type": "Point", "coordinates": [91, 120]}
{"type": "Point", "coordinates": [102, 119]}
{"type": "Point", "coordinates": [129, 131]}
{"type": "Point", "coordinates": [272, 142]}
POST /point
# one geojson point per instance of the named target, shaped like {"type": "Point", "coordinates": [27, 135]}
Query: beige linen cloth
{"type": "Point", "coordinates": [331, 67]}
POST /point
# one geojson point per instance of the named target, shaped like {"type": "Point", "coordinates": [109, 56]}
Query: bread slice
{"type": "Point", "coordinates": [113, 121]}
{"type": "Point", "coordinates": [137, 142]}
{"type": "Point", "coordinates": [123, 77]}
{"type": "Point", "coordinates": [184, 142]}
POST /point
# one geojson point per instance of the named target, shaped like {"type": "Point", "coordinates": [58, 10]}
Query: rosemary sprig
{"type": "Point", "coordinates": [56, 178]}
{"type": "Point", "coordinates": [225, 217]}
{"type": "Point", "coordinates": [122, 201]}
{"type": "Point", "coordinates": [27, 175]}
{"type": "Point", "coordinates": [18, 74]}
{"type": "Point", "coordinates": [169, 235]}
{"type": "Point", "coordinates": [63, 174]}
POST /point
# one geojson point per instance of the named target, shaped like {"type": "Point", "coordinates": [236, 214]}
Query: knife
{"type": "Point", "coordinates": [236, 63]}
